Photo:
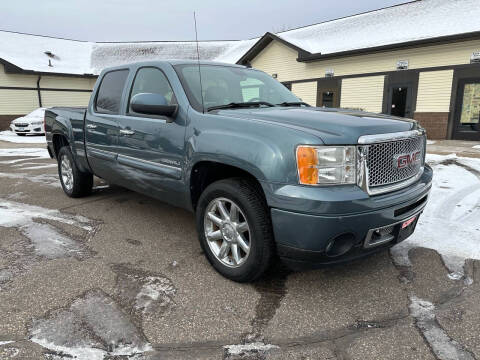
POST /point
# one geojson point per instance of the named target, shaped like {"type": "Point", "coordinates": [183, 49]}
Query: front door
{"type": "Point", "coordinates": [467, 112]}
{"type": "Point", "coordinates": [150, 148]}
{"type": "Point", "coordinates": [328, 93]}
{"type": "Point", "coordinates": [400, 100]}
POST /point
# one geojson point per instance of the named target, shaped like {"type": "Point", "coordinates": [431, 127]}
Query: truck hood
{"type": "Point", "coordinates": [332, 126]}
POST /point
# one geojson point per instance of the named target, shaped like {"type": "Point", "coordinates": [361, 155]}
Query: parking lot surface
{"type": "Point", "coordinates": [118, 275]}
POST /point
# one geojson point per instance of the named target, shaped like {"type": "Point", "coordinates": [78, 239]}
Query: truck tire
{"type": "Point", "coordinates": [74, 182]}
{"type": "Point", "coordinates": [235, 230]}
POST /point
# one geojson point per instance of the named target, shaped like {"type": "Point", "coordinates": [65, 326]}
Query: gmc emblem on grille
{"type": "Point", "coordinates": [404, 160]}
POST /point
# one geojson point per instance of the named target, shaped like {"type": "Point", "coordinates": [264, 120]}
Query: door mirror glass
{"type": "Point", "coordinates": [152, 104]}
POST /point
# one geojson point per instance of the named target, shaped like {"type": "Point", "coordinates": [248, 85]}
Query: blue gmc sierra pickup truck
{"type": "Point", "coordinates": [266, 174]}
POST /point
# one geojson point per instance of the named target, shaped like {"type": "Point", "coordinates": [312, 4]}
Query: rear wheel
{"type": "Point", "coordinates": [235, 230]}
{"type": "Point", "coordinates": [74, 182]}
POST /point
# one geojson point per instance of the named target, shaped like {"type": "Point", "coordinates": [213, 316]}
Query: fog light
{"type": "Point", "coordinates": [340, 245]}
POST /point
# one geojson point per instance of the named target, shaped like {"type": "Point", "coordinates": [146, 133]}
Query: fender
{"type": "Point", "coordinates": [263, 159]}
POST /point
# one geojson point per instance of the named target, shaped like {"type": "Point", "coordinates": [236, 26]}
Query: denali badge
{"type": "Point", "coordinates": [403, 160]}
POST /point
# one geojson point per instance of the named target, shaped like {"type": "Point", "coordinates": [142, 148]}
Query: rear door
{"type": "Point", "coordinates": [101, 124]}
{"type": "Point", "coordinates": [151, 148]}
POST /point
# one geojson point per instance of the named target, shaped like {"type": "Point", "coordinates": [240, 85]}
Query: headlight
{"type": "Point", "coordinates": [326, 165]}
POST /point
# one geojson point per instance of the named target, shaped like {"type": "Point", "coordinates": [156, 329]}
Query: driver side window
{"type": "Point", "coordinates": [152, 80]}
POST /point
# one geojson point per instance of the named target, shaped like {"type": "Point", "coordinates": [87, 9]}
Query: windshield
{"type": "Point", "coordinates": [223, 85]}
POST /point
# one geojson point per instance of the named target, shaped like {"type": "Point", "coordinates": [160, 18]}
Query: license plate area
{"type": "Point", "coordinates": [395, 232]}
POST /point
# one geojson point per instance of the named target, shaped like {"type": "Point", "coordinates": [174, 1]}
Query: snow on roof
{"type": "Point", "coordinates": [35, 52]}
{"type": "Point", "coordinates": [28, 53]}
{"type": "Point", "coordinates": [417, 20]}
{"type": "Point", "coordinates": [112, 54]}
{"type": "Point", "coordinates": [422, 19]}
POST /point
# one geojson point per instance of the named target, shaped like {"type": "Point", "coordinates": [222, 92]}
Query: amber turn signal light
{"type": "Point", "coordinates": [307, 161]}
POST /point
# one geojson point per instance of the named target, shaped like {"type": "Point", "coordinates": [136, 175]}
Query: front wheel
{"type": "Point", "coordinates": [74, 182]}
{"type": "Point", "coordinates": [235, 230]}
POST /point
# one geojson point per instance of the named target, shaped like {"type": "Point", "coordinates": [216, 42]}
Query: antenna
{"type": "Point", "coordinates": [198, 61]}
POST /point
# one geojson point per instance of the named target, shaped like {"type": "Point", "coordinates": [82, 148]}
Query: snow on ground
{"type": "Point", "coordinates": [31, 152]}
{"type": "Point", "coordinates": [155, 288]}
{"type": "Point", "coordinates": [476, 146]}
{"type": "Point", "coordinates": [441, 344]}
{"type": "Point", "coordinates": [15, 214]}
{"type": "Point", "coordinates": [10, 136]}
{"type": "Point", "coordinates": [44, 179]}
{"type": "Point", "coordinates": [431, 142]}
{"type": "Point", "coordinates": [450, 223]}
{"type": "Point", "coordinates": [248, 349]}
{"type": "Point", "coordinates": [81, 331]}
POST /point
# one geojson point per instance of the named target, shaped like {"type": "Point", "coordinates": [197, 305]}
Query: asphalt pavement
{"type": "Point", "coordinates": [118, 275]}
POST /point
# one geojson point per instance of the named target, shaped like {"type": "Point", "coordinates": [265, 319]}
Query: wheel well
{"type": "Point", "coordinates": [206, 172]}
{"type": "Point", "coordinates": [59, 141]}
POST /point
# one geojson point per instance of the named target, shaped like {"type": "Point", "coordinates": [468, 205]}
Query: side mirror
{"type": "Point", "coordinates": [152, 104]}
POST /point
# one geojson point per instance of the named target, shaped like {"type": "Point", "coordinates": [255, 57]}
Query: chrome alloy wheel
{"type": "Point", "coordinates": [227, 232]}
{"type": "Point", "coordinates": [67, 173]}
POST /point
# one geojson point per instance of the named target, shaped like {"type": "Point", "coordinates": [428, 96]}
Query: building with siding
{"type": "Point", "coordinates": [38, 71]}
{"type": "Point", "coordinates": [419, 60]}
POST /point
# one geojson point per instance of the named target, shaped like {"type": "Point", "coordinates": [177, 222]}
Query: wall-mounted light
{"type": "Point", "coordinates": [329, 73]}
{"type": "Point", "coordinates": [274, 76]}
{"type": "Point", "coordinates": [475, 58]}
{"type": "Point", "coordinates": [402, 65]}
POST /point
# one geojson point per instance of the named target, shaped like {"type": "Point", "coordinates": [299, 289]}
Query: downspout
{"type": "Point", "coordinates": [38, 91]}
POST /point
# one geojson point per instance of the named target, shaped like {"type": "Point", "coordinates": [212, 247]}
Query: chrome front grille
{"type": "Point", "coordinates": [389, 162]}
{"type": "Point", "coordinates": [382, 160]}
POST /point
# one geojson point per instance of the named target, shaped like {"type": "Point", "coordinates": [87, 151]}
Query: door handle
{"type": "Point", "coordinates": [127, 132]}
{"type": "Point", "coordinates": [91, 126]}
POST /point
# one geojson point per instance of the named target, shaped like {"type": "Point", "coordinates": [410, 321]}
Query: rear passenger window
{"type": "Point", "coordinates": [110, 92]}
{"type": "Point", "coordinates": [152, 80]}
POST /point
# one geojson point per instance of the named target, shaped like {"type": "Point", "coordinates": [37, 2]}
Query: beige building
{"type": "Point", "coordinates": [419, 60]}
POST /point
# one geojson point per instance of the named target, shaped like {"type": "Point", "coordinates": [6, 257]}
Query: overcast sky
{"type": "Point", "coordinates": [125, 20]}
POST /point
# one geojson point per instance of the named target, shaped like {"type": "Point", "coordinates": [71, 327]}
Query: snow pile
{"type": "Point", "coordinates": [10, 136]}
{"type": "Point", "coordinates": [450, 223]}
{"type": "Point", "coordinates": [413, 21]}
{"type": "Point", "coordinates": [476, 146]}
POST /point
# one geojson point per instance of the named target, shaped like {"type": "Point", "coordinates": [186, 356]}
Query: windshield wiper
{"type": "Point", "coordinates": [293, 103]}
{"type": "Point", "coordinates": [234, 105]}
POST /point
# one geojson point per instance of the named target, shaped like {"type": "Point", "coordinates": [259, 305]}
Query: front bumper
{"type": "Point", "coordinates": [305, 228]}
{"type": "Point", "coordinates": [29, 129]}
